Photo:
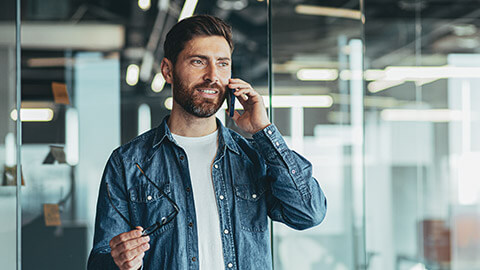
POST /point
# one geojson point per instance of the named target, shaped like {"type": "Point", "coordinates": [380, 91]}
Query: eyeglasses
{"type": "Point", "coordinates": [157, 225]}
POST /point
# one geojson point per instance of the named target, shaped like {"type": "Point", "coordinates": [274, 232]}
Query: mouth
{"type": "Point", "coordinates": [208, 92]}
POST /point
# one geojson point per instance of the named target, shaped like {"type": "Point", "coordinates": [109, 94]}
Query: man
{"type": "Point", "coordinates": [192, 194]}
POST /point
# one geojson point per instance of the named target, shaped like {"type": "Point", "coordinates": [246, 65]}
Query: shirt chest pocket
{"type": "Point", "coordinates": [149, 205]}
{"type": "Point", "coordinates": [251, 207]}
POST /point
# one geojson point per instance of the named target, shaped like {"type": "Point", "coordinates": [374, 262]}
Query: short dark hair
{"type": "Point", "coordinates": [192, 27]}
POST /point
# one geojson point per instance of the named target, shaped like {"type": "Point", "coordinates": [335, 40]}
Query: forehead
{"type": "Point", "coordinates": [214, 46]}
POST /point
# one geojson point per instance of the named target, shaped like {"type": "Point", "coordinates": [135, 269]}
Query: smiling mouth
{"type": "Point", "coordinates": [208, 91]}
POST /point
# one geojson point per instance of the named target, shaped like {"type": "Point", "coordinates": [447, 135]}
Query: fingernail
{"type": "Point", "coordinates": [147, 238]}
{"type": "Point", "coordinates": [146, 246]}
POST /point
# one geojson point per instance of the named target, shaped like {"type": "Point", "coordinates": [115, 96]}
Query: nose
{"type": "Point", "coordinates": [211, 74]}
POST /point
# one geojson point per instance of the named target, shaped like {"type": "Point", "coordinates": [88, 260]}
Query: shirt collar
{"type": "Point", "coordinates": [224, 136]}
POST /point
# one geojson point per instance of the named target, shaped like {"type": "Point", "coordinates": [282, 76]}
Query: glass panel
{"type": "Point", "coordinates": [8, 136]}
{"type": "Point", "coordinates": [317, 66]}
{"type": "Point", "coordinates": [422, 143]}
{"type": "Point", "coordinates": [105, 58]}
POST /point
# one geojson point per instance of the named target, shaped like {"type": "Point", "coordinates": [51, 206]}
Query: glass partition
{"type": "Point", "coordinates": [91, 76]}
{"type": "Point", "coordinates": [317, 55]}
{"type": "Point", "coordinates": [9, 188]}
{"type": "Point", "coordinates": [422, 143]}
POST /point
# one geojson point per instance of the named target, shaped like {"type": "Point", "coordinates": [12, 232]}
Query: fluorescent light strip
{"type": "Point", "coordinates": [72, 149]}
{"type": "Point", "coordinates": [144, 119]}
{"type": "Point", "coordinates": [318, 74]}
{"type": "Point", "coordinates": [410, 115]}
{"type": "Point", "coordinates": [328, 11]}
{"type": "Point", "coordinates": [33, 115]}
{"type": "Point", "coordinates": [188, 9]}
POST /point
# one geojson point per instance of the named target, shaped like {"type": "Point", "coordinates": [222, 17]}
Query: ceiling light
{"type": "Point", "coordinates": [328, 11]}
{"type": "Point", "coordinates": [317, 74]}
{"type": "Point", "coordinates": [412, 115]}
{"type": "Point", "coordinates": [378, 86]}
{"type": "Point", "coordinates": [158, 83]}
{"type": "Point", "coordinates": [144, 4]}
{"type": "Point", "coordinates": [188, 9]}
{"type": "Point", "coordinates": [169, 103]}
{"type": "Point", "coordinates": [133, 72]}
{"type": "Point", "coordinates": [33, 114]}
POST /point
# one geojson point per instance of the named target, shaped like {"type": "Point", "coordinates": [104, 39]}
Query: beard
{"type": "Point", "coordinates": [194, 104]}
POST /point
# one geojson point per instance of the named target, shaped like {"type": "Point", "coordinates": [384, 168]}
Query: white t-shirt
{"type": "Point", "coordinates": [201, 153]}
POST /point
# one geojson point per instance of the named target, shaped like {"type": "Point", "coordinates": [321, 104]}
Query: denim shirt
{"type": "Point", "coordinates": [253, 179]}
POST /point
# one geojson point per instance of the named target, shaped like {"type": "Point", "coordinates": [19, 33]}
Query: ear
{"type": "Point", "coordinates": [167, 69]}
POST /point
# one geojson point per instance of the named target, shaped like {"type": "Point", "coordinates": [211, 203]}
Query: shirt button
{"type": "Point", "coordinates": [216, 166]}
{"type": "Point", "coordinates": [190, 224]}
{"type": "Point", "coordinates": [194, 258]}
{"type": "Point", "coordinates": [182, 157]}
{"type": "Point", "coordinates": [293, 171]}
{"type": "Point", "coordinates": [277, 144]}
{"type": "Point", "coordinates": [225, 232]}
{"type": "Point", "coordinates": [230, 265]}
{"type": "Point", "coordinates": [269, 132]}
{"type": "Point", "coordinates": [149, 197]}
{"type": "Point", "coordinates": [254, 196]}
{"type": "Point", "coordinates": [221, 197]}
{"type": "Point", "coordinates": [188, 189]}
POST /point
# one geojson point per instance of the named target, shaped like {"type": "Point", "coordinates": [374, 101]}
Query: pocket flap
{"type": "Point", "coordinates": [249, 192]}
{"type": "Point", "coordinates": [147, 193]}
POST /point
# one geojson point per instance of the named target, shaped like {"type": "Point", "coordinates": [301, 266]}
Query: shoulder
{"type": "Point", "coordinates": [137, 147]}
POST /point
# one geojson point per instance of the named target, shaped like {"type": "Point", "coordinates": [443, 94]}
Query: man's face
{"type": "Point", "coordinates": [201, 74]}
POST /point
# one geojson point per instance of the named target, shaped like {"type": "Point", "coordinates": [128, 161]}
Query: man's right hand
{"type": "Point", "coordinates": [129, 248]}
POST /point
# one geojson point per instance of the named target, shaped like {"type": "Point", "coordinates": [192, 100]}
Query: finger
{"type": "Point", "coordinates": [132, 254]}
{"type": "Point", "coordinates": [123, 237]}
{"type": "Point", "coordinates": [129, 245]}
{"type": "Point", "coordinates": [237, 80]}
{"type": "Point", "coordinates": [239, 86]}
{"type": "Point", "coordinates": [135, 263]}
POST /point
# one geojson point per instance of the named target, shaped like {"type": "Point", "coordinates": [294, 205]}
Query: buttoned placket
{"type": "Point", "coordinates": [190, 214]}
{"type": "Point", "coordinates": [225, 224]}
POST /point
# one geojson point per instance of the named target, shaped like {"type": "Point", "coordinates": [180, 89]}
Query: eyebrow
{"type": "Point", "coordinates": [206, 58]}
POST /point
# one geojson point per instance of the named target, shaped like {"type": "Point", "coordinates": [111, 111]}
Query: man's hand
{"type": "Point", "coordinates": [255, 116]}
{"type": "Point", "coordinates": [129, 248]}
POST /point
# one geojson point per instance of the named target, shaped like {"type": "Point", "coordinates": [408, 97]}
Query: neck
{"type": "Point", "coordinates": [184, 124]}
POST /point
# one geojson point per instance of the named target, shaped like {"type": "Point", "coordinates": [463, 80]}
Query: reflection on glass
{"type": "Point", "coordinates": [317, 67]}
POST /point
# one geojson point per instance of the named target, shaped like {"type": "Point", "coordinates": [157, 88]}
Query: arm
{"type": "Point", "coordinates": [115, 243]}
{"type": "Point", "coordinates": [295, 199]}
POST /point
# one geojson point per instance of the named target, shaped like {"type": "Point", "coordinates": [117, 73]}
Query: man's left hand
{"type": "Point", "coordinates": [254, 117]}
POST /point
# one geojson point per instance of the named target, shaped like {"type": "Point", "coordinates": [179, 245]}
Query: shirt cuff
{"type": "Point", "coordinates": [270, 143]}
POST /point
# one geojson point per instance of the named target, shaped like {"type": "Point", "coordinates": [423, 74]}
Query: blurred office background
{"type": "Point", "coordinates": [382, 96]}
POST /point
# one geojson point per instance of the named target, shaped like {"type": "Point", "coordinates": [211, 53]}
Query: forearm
{"type": "Point", "coordinates": [296, 198]}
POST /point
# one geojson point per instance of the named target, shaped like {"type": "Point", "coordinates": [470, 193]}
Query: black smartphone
{"type": "Point", "coordinates": [231, 101]}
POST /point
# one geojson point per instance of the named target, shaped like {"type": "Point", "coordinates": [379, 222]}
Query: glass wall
{"type": "Point", "coordinates": [422, 143]}
{"type": "Point", "coordinates": [382, 102]}
{"type": "Point", "coordinates": [8, 136]}
{"type": "Point", "coordinates": [317, 55]}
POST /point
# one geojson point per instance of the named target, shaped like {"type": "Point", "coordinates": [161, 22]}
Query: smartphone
{"type": "Point", "coordinates": [231, 101]}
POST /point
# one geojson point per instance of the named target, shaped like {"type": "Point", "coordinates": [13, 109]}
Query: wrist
{"type": "Point", "coordinates": [262, 127]}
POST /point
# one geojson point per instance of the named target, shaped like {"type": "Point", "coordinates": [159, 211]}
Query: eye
{"type": "Point", "coordinates": [197, 62]}
{"type": "Point", "coordinates": [224, 64]}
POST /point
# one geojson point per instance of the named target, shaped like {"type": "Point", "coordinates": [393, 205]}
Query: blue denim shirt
{"type": "Point", "coordinates": [253, 179]}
